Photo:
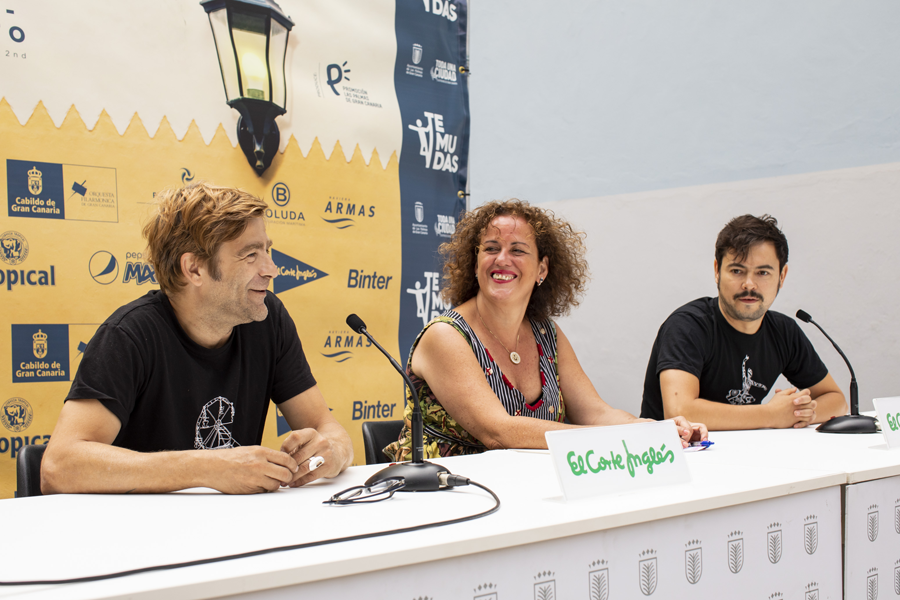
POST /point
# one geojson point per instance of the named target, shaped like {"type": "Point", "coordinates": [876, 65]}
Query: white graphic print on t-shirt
{"type": "Point", "coordinates": [743, 396]}
{"type": "Point", "coordinates": [211, 431]}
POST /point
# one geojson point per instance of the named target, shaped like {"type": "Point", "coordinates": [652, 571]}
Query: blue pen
{"type": "Point", "coordinates": [704, 444]}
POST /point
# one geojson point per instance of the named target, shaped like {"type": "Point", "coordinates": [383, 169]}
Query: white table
{"type": "Point", "coordinates": [871, 494]}
{"type": "Point", "coordinates": [728, 518]}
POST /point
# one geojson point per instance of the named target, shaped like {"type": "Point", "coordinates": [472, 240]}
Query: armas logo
{"type": "Point", "coordinates": [292, 272]}
{"type": "Point", "coordinates": [342, 213]}
{"type": "Point", "coordinates": [444, 8]}
{"type": "Point", "coordinates": [436, 145]}
{"type": "Point", "coordinates": [14, 252]}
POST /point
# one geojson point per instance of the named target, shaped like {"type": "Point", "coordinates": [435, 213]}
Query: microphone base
{"type": "Point", "coordinates": [419, 477]}
{"type": "Point", "coordinates": [850, 424]}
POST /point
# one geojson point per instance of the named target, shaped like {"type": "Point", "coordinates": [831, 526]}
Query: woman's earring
{"type": "Point", "coordinates": [540, 281]}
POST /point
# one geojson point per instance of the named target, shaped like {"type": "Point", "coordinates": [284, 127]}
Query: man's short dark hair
{"type": "Point", "coordinates": [744, 232]}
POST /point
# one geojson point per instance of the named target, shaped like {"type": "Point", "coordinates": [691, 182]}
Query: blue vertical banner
{"type": "Point", "coordinates": [430, 78]}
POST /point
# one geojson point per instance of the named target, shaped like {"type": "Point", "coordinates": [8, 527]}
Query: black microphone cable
{"type": "Point", "coordinates": [447, 480]}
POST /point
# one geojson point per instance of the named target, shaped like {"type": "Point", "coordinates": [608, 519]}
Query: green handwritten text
{"type": "Point", "coordinates": [581, 465]}
{"type": "Point", "coordinates": [893, 421]}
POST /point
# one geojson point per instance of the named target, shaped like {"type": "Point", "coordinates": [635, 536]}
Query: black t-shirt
{"type": "Point", "coordinates": [733, 367]}
{"type": "Point", "coordinates": [170, 393]}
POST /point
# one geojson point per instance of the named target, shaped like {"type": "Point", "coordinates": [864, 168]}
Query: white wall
{"type": "Point", "coordinates": [651, 124]}
{"type": "Point", "coordinates": [651, 252]}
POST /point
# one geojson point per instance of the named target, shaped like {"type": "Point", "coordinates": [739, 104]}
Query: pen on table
{"type": "Point", "coordinates": [703, 444]}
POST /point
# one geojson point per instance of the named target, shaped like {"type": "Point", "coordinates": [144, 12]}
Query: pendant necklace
{"type": "Point", "coordinates": [514, 355]}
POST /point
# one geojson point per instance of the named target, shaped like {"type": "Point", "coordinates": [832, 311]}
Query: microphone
{"type": "Point", "coordinates": [419, 475]}
{"type": "Point", "coordinates": [854, 422]}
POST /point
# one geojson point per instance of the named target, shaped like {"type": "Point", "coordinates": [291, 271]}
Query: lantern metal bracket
{"type": "Point", "coordinates": [257, 131]}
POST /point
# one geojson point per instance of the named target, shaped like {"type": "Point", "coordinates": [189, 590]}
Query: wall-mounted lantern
{"type": "Point", "coordinates": [251, 42]}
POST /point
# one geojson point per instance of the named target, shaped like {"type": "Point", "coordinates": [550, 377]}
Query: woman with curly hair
{"type": "Point", "coordinates": [495, 371]}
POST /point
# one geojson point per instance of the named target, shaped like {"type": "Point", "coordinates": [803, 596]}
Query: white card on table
{"type": "Point", "coordinates": [605, 460]}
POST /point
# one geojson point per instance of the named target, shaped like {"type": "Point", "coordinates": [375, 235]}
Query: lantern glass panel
{"type": "Point", "coordinates": [249, 34]}
{"type": "Point", "coordinates": [277, 49]}
{"type": "Point", "coordinates": [222, 36]}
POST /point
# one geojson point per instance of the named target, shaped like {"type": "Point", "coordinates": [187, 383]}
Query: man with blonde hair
{"type": "Point", "coordinates": [173, 389]}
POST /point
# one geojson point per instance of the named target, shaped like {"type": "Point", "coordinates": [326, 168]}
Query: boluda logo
{"type": "Point", "coordinates": [444, 8]}
{"type": "Point", "coordinates": [343, 213]}
{"type": "Point", "coordinates": [14, 251]}
{"type": "Point", "coordinates": [292, 272]}
{"type": "Point", "coordinates": [437, 146]}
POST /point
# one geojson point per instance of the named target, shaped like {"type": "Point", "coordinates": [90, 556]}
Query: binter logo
{"type": "Point", "coordinates": [436, 145]}
{"type": "Point", "coordinates": [444, 8]}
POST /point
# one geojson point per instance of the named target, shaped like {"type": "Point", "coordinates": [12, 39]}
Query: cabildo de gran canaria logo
{"type": "Point", "coordinates": [436, 145]}
{"type": "Point", "coordinates": [41, 190]}
{"type": "Point", "coordinates": [40, 352]}
{"type": "Point", "coordinates": [14, 251]}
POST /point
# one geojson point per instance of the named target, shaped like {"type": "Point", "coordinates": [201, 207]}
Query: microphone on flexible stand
{"type": "Point", "coordinates": [854, 422]}
{"type": "Point", "coordinates": [420, 476]}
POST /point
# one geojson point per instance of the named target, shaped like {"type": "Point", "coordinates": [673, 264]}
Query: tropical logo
{"type": "Point", "coordinates": [598, 580]}
{"type": "Point", "coordinates": [810, 534]}
{"type": "Point", "coordinates": [16, 415]}
{"type": "Point", "coordinates": [13, 247]}
{"type": "Point", "coordinates": [693, 562]}
{"type": "Point", "coordinates": [648, 572]}
{"type": "Point", "coordinates": [735, 551]}
{"type": "Point", "coordinates": [773, 543]}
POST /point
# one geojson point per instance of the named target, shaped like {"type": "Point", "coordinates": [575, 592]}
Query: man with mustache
{"type": "Point", "coordinates": [715, 359]}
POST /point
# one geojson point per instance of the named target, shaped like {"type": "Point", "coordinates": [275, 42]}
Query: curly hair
{"type": "Point", "coordinates": [197, 219]}
{"type": "Point", "coordinates": [563, 246]}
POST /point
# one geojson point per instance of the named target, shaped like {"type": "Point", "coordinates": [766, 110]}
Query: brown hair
{"type": "Point", "coordinates": [741, 233]}
{"type": "Point", "coordinates": [555, 238]}
{"type": "Point", "coordinates": [197, 219]}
